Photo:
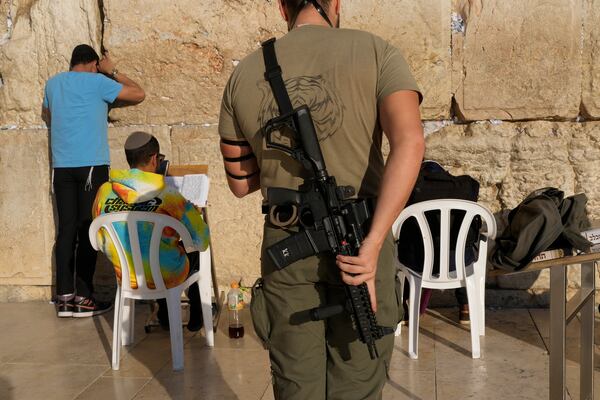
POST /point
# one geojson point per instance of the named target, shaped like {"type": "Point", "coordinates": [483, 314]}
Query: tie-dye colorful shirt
{"type": "Point", "coordinates": [136, 190]}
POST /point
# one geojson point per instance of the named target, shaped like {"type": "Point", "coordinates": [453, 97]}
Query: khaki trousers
{"type": "Point", "coordinates": [321, 359]}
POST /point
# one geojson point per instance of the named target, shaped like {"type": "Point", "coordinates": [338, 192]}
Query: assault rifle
{"type": "Point", "coordinates": [330, 220]}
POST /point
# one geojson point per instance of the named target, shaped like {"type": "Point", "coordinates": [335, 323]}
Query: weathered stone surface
{"type": "Point", "coordinates": [591, 58]}
{"type": "Point", "coordinates": [236, 224]}
{"type": "Point", "coordinates": [517, 60]}
{"type": "Point", "coordinates": [36, 44]}
{"type": "Point", "coordinates": [584, 154]}
{"type": "Point", "coordinates": [420, 29]}
{"type": "Point", "coordinates": [21, 293]}
{"type": "Point", "coordinates": [526, 280]}
{"type": "Point", "coordinates": [541, 279]}
{"type": "Point", "coordinates": [480, 150]}
{"type": "Point", "coordinates": [503, 60]}
{"type": "Point", "coordinates": [26, 212]}
{"type": "Point", "coordinates": [502, 298]}
{"type": "Point", "coordinates": [510, 160]}
{"type": "Point", "coordinates": [182, 52]}
{"type": "Point", "coordinates": [6, 10]}
{"type": "Point", "coordinates": [539, 158]}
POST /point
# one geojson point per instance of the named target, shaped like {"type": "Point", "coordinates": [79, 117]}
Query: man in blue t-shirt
{"type": "Point", "coordinates": [75, 108]}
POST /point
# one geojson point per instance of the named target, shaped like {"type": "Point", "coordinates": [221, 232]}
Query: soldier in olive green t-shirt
{"type": "Point", "coordinates": [357, 86]}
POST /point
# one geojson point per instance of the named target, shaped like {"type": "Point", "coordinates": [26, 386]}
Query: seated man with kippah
{"type": "Point", "coordinates": [142, 189]}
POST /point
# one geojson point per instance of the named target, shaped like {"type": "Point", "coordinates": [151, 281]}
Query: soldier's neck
{"type": "Point", "coordinates": [309, 17]}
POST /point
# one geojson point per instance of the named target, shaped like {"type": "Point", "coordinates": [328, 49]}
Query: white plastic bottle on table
{"type": "Point", "coordinates": [234, 307]}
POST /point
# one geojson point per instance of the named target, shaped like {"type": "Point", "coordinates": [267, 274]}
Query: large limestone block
{"type": "Point", "coordinates": [540, 158]}
{"type": "Point", "coordinates": [591, 59]}
{"type": "Point", "coordinates": [540, 279]}
{"type": "Point", "coordinates": [482, 150]}
{"type": "Point", "coordinates": [26, 212]}
{"type": "Point", "coordinates": [420, 29]}
{"type": "Point", "coordinates": [21, 293]}
{"type": "Point", "coordinates": [118, 135]}
{"type": "Point", "coordinates": [6, 9]}
{"type": "Point", "coordinates": [235, 224]}
{"type": "Point", "coordinates": [517, 59]}
{"type": "Point", "coordinates": [182, 52]}
{"type": "Point", "coordinates": [36, 43]}
{"type": "Point", "coordinates": [585, 157]}
{"type": "Point", "coordinates": [510, 160]}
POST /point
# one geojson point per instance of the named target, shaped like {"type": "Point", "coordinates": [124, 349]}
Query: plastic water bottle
{"type": "Point", "coordinates": [234, 307]}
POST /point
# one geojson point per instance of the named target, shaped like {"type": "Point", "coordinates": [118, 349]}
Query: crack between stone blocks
{"type": "Point", "coordinates": [458, 26]}
{"type": "Point", "coordinates": [170, 127]}
{"type": "Point", "coordinates": [578, 119]}
{"type": "Point", "coordinates": [455, 114]}
{"type": "Point", "coordinates": [577, 186]}
{"type": "Point", "coordinates": [451, 51]}
{"type": "Point", "coordinates": [499, 198]}
{"type": "Point", "coordinates": [582, 111]}
{"type": "Point", "coordinates": [103, 20]}
{"type": "Point", "coordinates": [202, 125]}
{"type": "Point", "coordinates": [9, 24]}
{"type": "Point", "coordinates": [513, 151]}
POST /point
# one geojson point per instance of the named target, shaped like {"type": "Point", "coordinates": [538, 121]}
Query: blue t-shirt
{"type": "Point", "coordinates": [78, 104]}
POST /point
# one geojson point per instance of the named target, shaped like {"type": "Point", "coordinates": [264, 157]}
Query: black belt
{"type": "Point", "coordinates": [283, 216]}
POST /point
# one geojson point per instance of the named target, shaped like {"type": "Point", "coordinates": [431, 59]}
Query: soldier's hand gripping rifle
{"type": "Point", "coordinates": [329, 219]}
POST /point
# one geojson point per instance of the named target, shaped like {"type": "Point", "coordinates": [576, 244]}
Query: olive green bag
{"type": "Point", "coordinates": [258, 310]}
{"type": "Point", "coordinates": [544, 220]}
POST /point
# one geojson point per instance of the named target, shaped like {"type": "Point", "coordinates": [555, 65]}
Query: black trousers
{"type": "Point", "coordinates": [75, 256]}
{"type": "Point", "coordinates": [192, 291]}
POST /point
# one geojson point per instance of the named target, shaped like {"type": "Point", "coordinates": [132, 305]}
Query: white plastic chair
{"type": "Point", "coordinates": [126, 295]}
{"type": "Point", "coordinates": [471, 276]}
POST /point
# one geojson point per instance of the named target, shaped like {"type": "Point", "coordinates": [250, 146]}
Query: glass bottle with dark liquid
{"type": "Point", "coordinates": [234, 307]}
{"type": "Point", "coordinates": [236, 332]}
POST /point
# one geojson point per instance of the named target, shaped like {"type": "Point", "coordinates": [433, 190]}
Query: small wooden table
{"type": "Point", "coordinates": [191, 169]}
{"type": "Point", "coordinates": [187, 169]}
{"type": "Point", "coordinates": [563, 312]}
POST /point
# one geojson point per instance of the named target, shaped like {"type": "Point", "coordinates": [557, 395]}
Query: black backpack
{"type": "Point", "coordinates": [434, 183]}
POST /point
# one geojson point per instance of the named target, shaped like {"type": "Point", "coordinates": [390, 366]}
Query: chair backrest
{"type": "Point", "coordinates": [132, 218]}
{"type": "Point", "coordinates": [445, 206]}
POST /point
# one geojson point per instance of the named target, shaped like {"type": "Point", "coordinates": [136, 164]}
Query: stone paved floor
{"type": "Point", "coordinates": [42, 357]}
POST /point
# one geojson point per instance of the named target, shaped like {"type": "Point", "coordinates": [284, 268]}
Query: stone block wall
{"type": "Point", "coordinates": [512, 97]}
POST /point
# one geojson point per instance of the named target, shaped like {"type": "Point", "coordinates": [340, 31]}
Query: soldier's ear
{"type": "Point", "coordinates": [283, 10]}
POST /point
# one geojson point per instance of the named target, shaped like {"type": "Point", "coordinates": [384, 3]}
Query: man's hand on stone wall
{"type": "Point", "coordinates": [106, 65]}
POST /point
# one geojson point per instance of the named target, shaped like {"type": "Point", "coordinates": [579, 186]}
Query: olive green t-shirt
{"type": "Point", "coordinates": [342, 75]}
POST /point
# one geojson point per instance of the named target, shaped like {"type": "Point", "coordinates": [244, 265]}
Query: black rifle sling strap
{"type": "Point", "coordinates": [304, 243]}
{"type": "Point", "coordinates": [273, 76]}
